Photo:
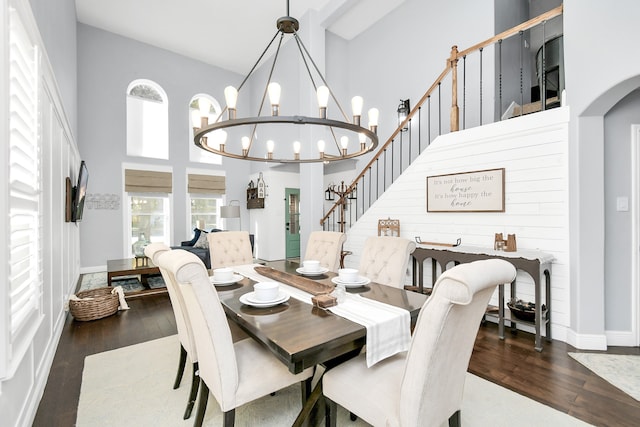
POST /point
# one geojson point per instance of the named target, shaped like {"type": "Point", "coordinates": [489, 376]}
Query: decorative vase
{"type": "Point", "coordinates": [139, 245]}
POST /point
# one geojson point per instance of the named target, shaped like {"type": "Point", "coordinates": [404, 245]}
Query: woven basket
{"type": "Point", "coordinates": [103, 304]}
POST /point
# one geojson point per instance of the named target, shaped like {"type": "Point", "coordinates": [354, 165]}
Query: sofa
{"type": "Point", "coordinates": [199, 245]}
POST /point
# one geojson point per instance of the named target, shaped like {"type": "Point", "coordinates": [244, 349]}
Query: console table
{"type": "Point", "coordinates": [537, 264]}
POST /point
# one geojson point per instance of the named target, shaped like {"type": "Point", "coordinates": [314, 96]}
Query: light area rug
{"type": "Point", "coordinates": [621, 371]}
{"type": "Point", "coordinates": [132, 386]}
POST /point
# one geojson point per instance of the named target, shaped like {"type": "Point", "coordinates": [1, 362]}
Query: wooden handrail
{"type": "Point", "coordinates": [452, 62]}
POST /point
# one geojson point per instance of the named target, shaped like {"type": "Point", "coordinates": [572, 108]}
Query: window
{"type": "Point", "coordinates": [199, 105]}
{"type": "Point", "coordinates": [149, 206]}
{"type": "Point", "coordinates": [150, 218]}
{"type": "Point", "coordinates": [147, 120]}
{"type": "Point", "coordinates": [204, 212]}
{"type": "Point", "coordinates": [205, 195]}
{"type": "Point", "coordinates": [23, 264]}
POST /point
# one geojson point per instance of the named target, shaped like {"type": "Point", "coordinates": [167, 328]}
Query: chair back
{"type": "Point", "coordinates": [185, 335]}
{"type": "Point", "coordinates": [385, 259]}
{"type": "Point", "coordinates": [326, 247]}
{"type": "Point", "coordinates": [217, 359]}
{"type": "Point", "coordinates": [443, 340]}
{"type": "Point", "coordinates": [229, 248]}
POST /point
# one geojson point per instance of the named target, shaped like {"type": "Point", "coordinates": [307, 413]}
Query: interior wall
{"type": "Point", "coordinates": [595, 82]}
{"type": "Point", "coordinates": [618, 247]}
{"type": "Point", "coordinates": [533, 151]}
{"type": "Point", "coordinates": [107, 64]}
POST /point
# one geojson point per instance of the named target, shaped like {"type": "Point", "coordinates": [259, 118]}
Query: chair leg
{"type": "Point", "coordinates": [181, 364]}
{"type": "Point", "coordinates": [330, 413]}
{"type": "Point", "coordinates": [229, 418]}
{"type": "Point", "coordinates": [306, 389]}
{"type": "Point", "coordinates": [202, 404]}
{"type": "Point", "coordinates": [454, 420]}
{"type": "Point", "coordinates": [195, 382]}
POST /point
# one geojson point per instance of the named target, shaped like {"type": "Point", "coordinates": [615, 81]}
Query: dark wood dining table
{"type": "Point", "coordinates": [303, 336]}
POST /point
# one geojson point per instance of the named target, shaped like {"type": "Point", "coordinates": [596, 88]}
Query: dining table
{"type": "Point", "coordinates": [302, 335]}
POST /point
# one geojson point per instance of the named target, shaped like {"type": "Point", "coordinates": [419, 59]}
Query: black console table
{"type": "Point", "coordinates": [537, 264]}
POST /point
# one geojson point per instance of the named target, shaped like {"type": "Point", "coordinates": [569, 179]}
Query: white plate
{"type": "Point", "coordinates": [236, 278]}
{"type": "Point", "coordinates": [304, 272]}
{"type": "Point", "coordinates": [249, 299]}
{"type": "Point", "coordinates": [360, 282]}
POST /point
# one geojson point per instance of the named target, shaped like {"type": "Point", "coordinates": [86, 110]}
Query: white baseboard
{"type": "Point", "coordinates": [586, 341]}
{"type": "Point", "coordinates": [621, 338]}
{"type": "Point", "coordinates": [94, 269]}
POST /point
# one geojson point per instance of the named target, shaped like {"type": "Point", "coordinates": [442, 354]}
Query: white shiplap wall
{"type": "Point", "coordinates": [533, 150]}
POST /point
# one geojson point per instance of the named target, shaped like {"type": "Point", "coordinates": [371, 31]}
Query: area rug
{"type": "Point", "coordinates": [128, 283]}
{"type": "Point", "coordinates": [621, 371]}
{"type": "Point", "coordinates": [132, 386]}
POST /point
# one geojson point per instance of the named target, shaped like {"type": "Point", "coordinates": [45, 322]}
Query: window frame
{"type": "Point", "coordinates": [139, 149]}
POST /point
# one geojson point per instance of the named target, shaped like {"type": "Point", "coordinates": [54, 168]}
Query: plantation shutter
{"type": "Point", "coordinates": [142, 181]}
{"type": "Point", "coordinates": [25, 228]}
{"type": "Point", "coordinates": [206, 184]}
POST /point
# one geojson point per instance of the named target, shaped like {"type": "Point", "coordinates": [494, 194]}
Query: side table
{"type": "Point", "coordinates": [537, 264]}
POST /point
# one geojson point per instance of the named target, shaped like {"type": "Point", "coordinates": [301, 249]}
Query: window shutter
{"type": "Point", "coordinates": [206, 184]}
{"type": "Point", "coordinates": [141, 181]}
{"type": "Point", "coordinates": [25, 228]}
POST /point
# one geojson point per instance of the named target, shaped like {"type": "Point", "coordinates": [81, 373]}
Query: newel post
{"type": "Point", "coordinates": [453, 63]}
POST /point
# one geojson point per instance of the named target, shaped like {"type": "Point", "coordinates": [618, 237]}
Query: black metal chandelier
{"type": "Point", "coordinates": [242, 138]}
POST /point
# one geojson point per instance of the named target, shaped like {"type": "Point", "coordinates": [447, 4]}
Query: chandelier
{"type": "Point", "coordinates": [275, 138]}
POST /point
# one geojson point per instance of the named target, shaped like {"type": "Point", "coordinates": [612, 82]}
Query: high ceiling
{"type": "Point", "coordinates": [230, 34]}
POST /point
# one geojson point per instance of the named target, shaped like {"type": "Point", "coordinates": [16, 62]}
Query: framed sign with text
{"type": "Point", "coordinates": [477, 191]}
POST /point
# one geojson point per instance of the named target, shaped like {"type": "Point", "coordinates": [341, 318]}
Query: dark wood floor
{"type": "Point", "coordinates": [550, 377]}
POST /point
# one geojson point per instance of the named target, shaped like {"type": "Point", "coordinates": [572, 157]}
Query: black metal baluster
{"type": "Point", "coordinates": [464, 93]}
{"type": "Point", "coordinates": [429, 117]}
{"type": "Point", "coordinates": [439, 109]}
{"type": "Point", "coordinates": [521, 73]}
{"type": "Point", "coordinates": [420, 130]}
{"type": "Point", "coordinates": [543, 83]}
{"type": "Point", "coordinates": [500, 75]}
{"type": "Point", "coordinates": [377, 177]}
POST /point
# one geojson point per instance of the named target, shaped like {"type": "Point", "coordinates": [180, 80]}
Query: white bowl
{"type": "Point", "coordinates": [311, 265]}
{"type": "Point", "coordinates": [348, 275]}
{"type": "Point", "coordinates": [266, 291]}
{"type": "Point", "coordinates": [223, 274]}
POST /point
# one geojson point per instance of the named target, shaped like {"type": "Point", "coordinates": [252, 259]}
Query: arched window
{"type": "Point", "coordinates": [147, 120]}
{"type": "Point", "coordinates": [212, 108]}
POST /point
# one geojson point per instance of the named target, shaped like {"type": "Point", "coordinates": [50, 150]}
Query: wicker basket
{"type": "Point", "coordinates": [103, 304]}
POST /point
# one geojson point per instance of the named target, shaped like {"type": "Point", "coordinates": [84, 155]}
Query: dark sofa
{"type": "Point", "coordinates": [202, 252]}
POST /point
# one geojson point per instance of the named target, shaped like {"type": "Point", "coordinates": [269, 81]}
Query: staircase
{"type": "Point", "coordinates": [425, 120]}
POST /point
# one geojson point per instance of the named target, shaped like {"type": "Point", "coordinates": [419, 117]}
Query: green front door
{"type": "Point", "coordinates": [292, 222]}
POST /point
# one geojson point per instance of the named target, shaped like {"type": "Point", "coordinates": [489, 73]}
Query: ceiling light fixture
{"type": "Point", "coordinates": [244, 143]}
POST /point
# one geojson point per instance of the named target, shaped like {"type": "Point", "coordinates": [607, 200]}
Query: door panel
{"type": "Point", "coordinates": [292, 222]}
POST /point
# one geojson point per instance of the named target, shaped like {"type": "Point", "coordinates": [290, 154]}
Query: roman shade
{"type": "Point", "coordinates": [206, 184]}
{"type": "Point", "coordinates": [141, 181]}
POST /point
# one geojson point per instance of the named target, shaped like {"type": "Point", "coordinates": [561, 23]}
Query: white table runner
{"type": "Point", "coordinates": [388, 327]}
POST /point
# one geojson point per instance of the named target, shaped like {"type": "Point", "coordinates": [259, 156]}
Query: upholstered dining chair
{"type": "Point", "coordinates": [183, 324]}
{"type": "Point", "coordinates": [424, 386]}
{"type": "Point", "coordinates": [235, 373]}
{"type": "Point", "coordinates": [385, 259]}
{"type": "Point", "coordinates": [326, 247]}
{"type": "Point", "coordinates": [229, 248]}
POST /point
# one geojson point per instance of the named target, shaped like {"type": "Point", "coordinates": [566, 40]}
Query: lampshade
{"type": "Point", "coordinates": [229, 211]}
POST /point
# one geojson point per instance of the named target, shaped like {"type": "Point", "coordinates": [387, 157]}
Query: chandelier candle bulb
{"type": "Point", "coordinates": [363, 139]}
{"type": "Point", "coordinates": [231, 98]}
{"type": "Point", "coordinates": [270, 146]}
{"type": "Point", "coordinates": [245, 145]}
{"type": "Point", "coordinates": [204, 106]}
{"type": "Point", "coordinates": [344, 143]}
{"type": "Point", "coordinates": [321, 146]}
{"type": "Point", "coordinates": [356, 107]}
{"type": "Point", "coordinates": [296, 150]}
{"type": "Point", "coordinates": [274, 97]}
{"type": "Point", "coordinates": [195, 120]}
{"type": "Point", "coordinates": [323, 100]}
{"type": "Point", "coordinates": [373, 119]}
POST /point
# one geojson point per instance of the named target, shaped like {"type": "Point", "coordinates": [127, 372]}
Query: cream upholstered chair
{"type": "Point", "coordinates": [185, 334]}
{"type": "Point", "coordinates": [235, 373]}
{"type": "Point", "coordinates": [326, 247]}
{"type": "Point", "coordinates": [424, 386]}
{"type": "Point", "coordinates": [229, 248]}
{"type": "Point", "coordinates": [385, 259]}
